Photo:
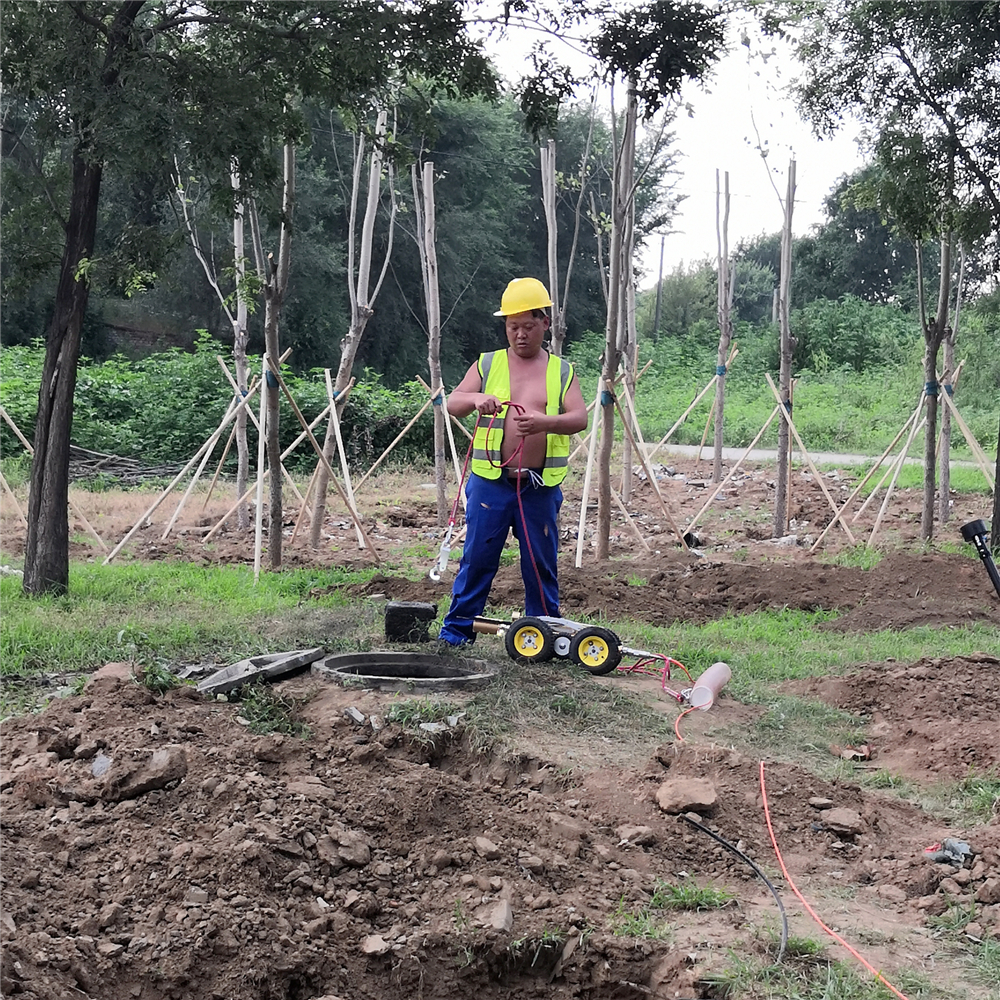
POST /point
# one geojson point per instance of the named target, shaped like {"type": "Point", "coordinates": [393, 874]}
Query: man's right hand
{"type": "Point", "coordinates": [488, 405]}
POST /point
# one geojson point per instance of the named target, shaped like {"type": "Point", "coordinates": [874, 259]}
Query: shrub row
{"type": "Point", "coordinates": [161, 409]}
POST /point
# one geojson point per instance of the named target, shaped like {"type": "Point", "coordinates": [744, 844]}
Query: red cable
{"type": "Point", "coordinates": [812, 913]}
{"type": "Point", "coordinates": [677, 723]}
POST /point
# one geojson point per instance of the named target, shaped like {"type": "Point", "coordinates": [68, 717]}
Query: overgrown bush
{"type": "Point", "coordinates": [161, 409]}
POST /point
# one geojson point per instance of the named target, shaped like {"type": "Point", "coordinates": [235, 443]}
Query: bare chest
{"type": "Point", "coordinates": [527, 385]}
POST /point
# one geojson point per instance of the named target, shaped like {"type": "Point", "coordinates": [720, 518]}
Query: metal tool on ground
{"type": "Point", "coordinates": [975, 533]}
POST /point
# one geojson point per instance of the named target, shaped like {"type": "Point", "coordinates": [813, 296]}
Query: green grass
{"type": "Point", "coordinates": [688, 896]}
{"type": "Point", "coordinates": [169, 612]}
{"type": "Point", "coordinates": [647, 920]}
{"type": "Point", "coordinates": [810, 977]}
{"type": "Point", "coordinates": [766, 647]}
{"type": "Point", "coordinates": [962, 478]}
{"type": "Point", "coordinates": [264, 710]}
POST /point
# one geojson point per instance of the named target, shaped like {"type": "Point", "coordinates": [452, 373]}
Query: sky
{"type": "Point", "coordinates": [743, 108]}
{"type": "Point", "coordinates": [746, 109]}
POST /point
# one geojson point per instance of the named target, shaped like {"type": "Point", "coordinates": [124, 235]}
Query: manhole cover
{"type": "Point", "coordinates": [405, 671]}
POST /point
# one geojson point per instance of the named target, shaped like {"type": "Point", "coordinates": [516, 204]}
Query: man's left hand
{"type": "Point", "coordinates": [528, 422]}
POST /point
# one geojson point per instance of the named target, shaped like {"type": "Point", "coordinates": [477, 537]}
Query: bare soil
{"type": "Point", "coordinates": [153, 848]}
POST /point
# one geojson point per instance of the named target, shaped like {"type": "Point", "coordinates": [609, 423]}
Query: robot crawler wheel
{"type": "Point", "coordinates": [529, 640]}
{"type": "Point", "coordinates": [596, 649]}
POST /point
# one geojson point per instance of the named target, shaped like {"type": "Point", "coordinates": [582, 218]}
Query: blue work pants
{"type": "Point", "coordinates": [492, 510]}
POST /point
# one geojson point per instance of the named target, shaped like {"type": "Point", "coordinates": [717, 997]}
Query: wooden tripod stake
{"type": "Point", "coordinates": [319, 451]}
{"type": "Point", "coordinates": [31, 451]}
{"type": "Point", "coordinates": [787, 417]}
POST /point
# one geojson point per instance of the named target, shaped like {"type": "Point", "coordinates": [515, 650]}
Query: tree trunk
{"type": "Point", "coordinates": [659, 295]}
{"type": "Point", "coordinates": [995, 522]}
{"type": "Point", "coordinates": [241, 337]}
{"type": "Point", "coordinates": [944, 492]}
{"type": "Point", "coordinates": [277, 286]}
{"type": "Point", "coordinates": [785, 370]}
{"type": "Point", "coordinates": [725, 320]}
{"type": "Point", "coordinates": [423, 202]}
{"type": "Point", "coordinates": [46, 555]}
{"type": "Point", "coordinates": [548, 170]}
{"type": "Point", "coordinates": [934, 331]}
{"type": "Point", "coordinates": [361, 298]}
{"type": "Point", "coordinates": [614, 331]}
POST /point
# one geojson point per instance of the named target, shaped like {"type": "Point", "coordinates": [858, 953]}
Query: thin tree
{"type": "Point", "coordinates": [948, 385]}
{"type": "Point", "coordinates": [237, 319]}
{"type": "Point", "coordinates": [725, 312]}
{"type": "Point", "coordinates": [423, 202]}
{"type": "Point", "coordinates": [273, 277]}
{"type": "Point", "coordinates": [560, 294]}
{"type": "Point", "coordinates": [619, 260]}
{"type": "Point", "coordinates": [361, 293]}
{"type": "Point", "coordinates": [786, 350]}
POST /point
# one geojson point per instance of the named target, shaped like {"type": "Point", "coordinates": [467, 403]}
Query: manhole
{"type": "Point", "coordinates": [405, 672]}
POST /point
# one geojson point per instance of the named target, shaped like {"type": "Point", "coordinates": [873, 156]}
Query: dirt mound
{"type": "Point", "coordinates": [154, 848]}
{"type": "Point", "coordinates": [900, 592]}
{"type": "Point", "coordinates": [933, 717]}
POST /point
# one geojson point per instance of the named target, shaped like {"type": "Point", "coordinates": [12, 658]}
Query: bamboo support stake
{"type": "Point", "coordinates": [680, 420]}
{"type": "Point", "coordinates": [704, 436]}
{"type": "Point", "coordinates": [319, 451]}
{"type": "Point", "coordinates": [871, 472]}
{"type": "Point", "coordinates": [885, 476]}
{"type": "Point", "coordinates": [616, 496]}
{"type": "Point", "coordinates": [72, 503]}
{"type": "Point", "coordinates": [630, 406]}
{"type": "Point", "coordinates": [697, 399]}
{"type": "Point", "coordinates": [194, 479]}
{"type": "Point", "coordinates": [649, 474]}
{"type": "Point", "coordinates": [335, 421]}
{"type": "Point", "coordinates": [236, 389]}
{"type": "Point", "coordinates": [259, 513]}
{"type": "Point", "coordinates": [970, 438]}
{"type": "Point", "coordinates": [13, 499]}
{"type": "Point", "coordinates": [250, 489]}
{"type": "Point", "coordinates": [581, 527]}
{"type": "Point", "coordinates": [896, 470]}
{"type": "Point", "coordinates": [451, 437]}
{"type": "Point", "coordinates": [304, 511]}
{"type": "Point", "coordinates": [732, 472]}
{"type": "Point", "coordinates": [787, 417]}
{"type": "Point", "coordinates": [305, 503]}
{"type": "Point", "coordinates": [218, 468]}
{"type": "Point", "coordinates": [399, 437]}
{"type": "Point", "coordinates": [208, 445]}
{"type": "Point", "coordinates": [582, 442]}
{"type": "Point", "coordinates": [451, 420]}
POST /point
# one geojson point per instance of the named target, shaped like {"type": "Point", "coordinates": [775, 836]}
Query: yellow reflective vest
{"type": "Point", "coordinates": [495, 373]}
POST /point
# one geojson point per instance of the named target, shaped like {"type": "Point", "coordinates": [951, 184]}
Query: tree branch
{"type": "Point", "coordinates": [952, 127]}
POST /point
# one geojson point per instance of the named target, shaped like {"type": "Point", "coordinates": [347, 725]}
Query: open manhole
{"type": "Point", "coordinates": [405, 672]}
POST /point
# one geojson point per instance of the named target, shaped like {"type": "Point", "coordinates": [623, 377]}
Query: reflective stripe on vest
{"type": "Point", "coordinates": [495, 380]}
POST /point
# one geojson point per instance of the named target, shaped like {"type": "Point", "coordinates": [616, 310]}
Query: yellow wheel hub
{"type": "Point", "coordinates": [528, 641]}
{"type": "Point", "coordinates": [594, 651]}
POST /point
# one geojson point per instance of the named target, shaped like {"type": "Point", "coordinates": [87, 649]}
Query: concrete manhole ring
{"type": "Point", "coordinates": [405, 672]}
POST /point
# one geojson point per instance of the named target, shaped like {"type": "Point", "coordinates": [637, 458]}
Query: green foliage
{"type": "Point", "coordinates": [688, 896]}
{"type": "Point", "coordinates": [265, 710]}
{"type": "Point", "coordinates": [163, 408]}
{"type": "Point", "coordinates": [155, 677]}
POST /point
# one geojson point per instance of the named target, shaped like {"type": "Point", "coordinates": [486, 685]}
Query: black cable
{"type": "Point", "coordinates": [753, 864]}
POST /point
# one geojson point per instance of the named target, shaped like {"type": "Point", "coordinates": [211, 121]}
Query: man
{"type": "Point", "coordinates": [519, 457]}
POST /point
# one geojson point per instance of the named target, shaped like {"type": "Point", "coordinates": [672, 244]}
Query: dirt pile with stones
{"type": "Point", "coordinates": [154, 848]}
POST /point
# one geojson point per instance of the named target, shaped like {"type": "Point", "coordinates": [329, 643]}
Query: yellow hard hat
{"type": "Point", "coordinates": [523, 295]}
